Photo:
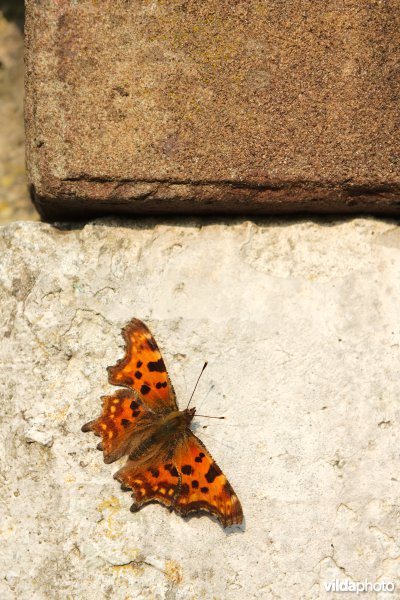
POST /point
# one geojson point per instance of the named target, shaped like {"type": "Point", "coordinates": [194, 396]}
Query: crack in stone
{"type": "Point", "coordinates": [138, 562]}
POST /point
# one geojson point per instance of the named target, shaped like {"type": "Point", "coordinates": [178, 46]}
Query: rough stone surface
{"type": "Point", "coordinates": [300, 323]}
{"type": "Point", "coordinates": [212, 105]}
{"type": "Point", "coordinates": [15, 202]}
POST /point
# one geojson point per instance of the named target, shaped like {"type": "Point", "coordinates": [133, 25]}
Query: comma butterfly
{"type": "Point", "coordinates": [166, 462]}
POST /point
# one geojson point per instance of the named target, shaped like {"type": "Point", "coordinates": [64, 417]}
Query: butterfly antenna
{"type": "Point", "coordinates": [208, 417]}
{"type": "Point", "coordinates": [198, 379]}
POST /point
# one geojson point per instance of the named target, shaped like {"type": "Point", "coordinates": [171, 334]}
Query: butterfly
{"type": "Point", "coordinates": [166, 462]}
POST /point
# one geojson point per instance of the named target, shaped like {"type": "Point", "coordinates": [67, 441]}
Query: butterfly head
{"type": "Point", "coordinates": [189, 414]}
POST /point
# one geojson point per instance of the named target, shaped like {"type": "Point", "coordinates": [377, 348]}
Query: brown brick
{"type": "Point", "coordinates": [252, 106]}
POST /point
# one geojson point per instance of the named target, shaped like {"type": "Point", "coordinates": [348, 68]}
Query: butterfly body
{"type": "Point", "coordinates": [166, 462]}
{"type": "Point", "coordinates": [162, 433]}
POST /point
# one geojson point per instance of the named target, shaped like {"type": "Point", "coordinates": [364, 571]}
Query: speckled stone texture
{"type": "Point", "coordinates": [300, 323]}
{"type": "Point", "coordinates": [253, 106]}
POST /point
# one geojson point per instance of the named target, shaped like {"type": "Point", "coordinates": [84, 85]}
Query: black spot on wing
{"type": "Point", "coordinates": [138, 375]}
{"type": "Point", "coordinates": [172, 469]}
{"type": "Point", "coordinates": [200, 457]}
{"type": "Point", "coordinates": [144, 389]}
{"type": "Point", "coordinates": [155, 472]}
{"type": "Point", "coordinates": [157, 366]}
{"type": "Point", "coordinates": [161, 384]}
{"type": "Point", "coordinates": [187, 470]}
{"type": "Point", "coordinates": [134, 405]}
{"type": "Point", "coordinates": [139, 364]}
{"type": "Point", "coordinates": [204, 490]}
{"type": "Point", "coordinates": [125, 423]}
{"type": "Point", "coordinates": [184, 489]}
{"type": "Point", "coordinates": [195, 484]}
{"type": "Point", "coordinates": [212, 473]}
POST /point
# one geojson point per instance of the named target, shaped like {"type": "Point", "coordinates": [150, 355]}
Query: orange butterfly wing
{"type": "Point", "coordinates": [121, 413]}
{"type": "Point", "coordinates": [190, 481]}
{"type": "Point", "coordinates": [160, 483]}
{"type": "Point", "coordinates": [143, 369]}
{"type": "Point", "coordinates": [203, 486]}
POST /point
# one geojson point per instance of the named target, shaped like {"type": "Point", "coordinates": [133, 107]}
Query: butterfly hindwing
{"type": "Point", "coordinates": [143, 368]}
{"type": "Point", "coordinates": [159, 483]}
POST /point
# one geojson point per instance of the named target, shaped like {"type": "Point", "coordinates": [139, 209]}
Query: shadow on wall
{"type": "Point", "coordinates": [13, 10]}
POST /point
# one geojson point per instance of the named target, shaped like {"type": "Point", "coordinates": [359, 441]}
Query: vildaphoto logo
{"type": "Point", "coordinates": [358, 587]}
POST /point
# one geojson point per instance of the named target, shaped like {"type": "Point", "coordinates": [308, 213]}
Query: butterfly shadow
{"type": "Point", "coordinates": [228, 531]}
{"type": "Point", "coordinates": [198, 428]}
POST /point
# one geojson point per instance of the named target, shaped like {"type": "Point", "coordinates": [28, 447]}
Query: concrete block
{"type": "Point", "coordinates": [212, 106]}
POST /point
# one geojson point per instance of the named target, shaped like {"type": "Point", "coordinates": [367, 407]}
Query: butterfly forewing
{"type": "Point", "coordinates": [143, 368]}
{"type": "Point", "coordinates": [203, 485]}
{"type": "Point", "coordinates": [122, 413]}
